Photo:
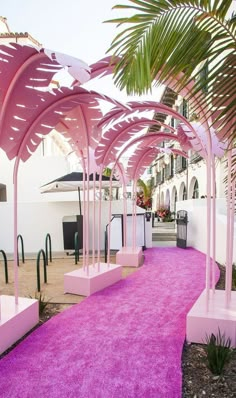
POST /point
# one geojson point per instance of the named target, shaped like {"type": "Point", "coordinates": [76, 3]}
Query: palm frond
{"type": "Point", "coordinates": [165, 38]}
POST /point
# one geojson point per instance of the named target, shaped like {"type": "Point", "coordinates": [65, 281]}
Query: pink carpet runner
{"type": "Point", "coordinates": [123, 342]}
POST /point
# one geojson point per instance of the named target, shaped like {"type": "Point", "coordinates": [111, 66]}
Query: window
{"type": "Point", "coordinates": [175, 200]}
{"type": "Point", "coordinates": [3, 193]}
{"type": "Point", "coordinates": [180, 164]}
{"type": "Point", "coordinates": [196, 190]}
{"type": "Point", "coordinates": [184, 197]}
{"type": "Point", "coordinates": [185, 108]}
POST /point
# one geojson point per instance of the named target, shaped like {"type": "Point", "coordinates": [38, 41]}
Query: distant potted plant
{"type": "Point", "coordinates": [164, 214]}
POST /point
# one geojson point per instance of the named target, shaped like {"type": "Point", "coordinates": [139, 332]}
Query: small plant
{"type": "Point", "coordinates": [218, 352]}
{"type": "Point", "coordinates": [42, 302]}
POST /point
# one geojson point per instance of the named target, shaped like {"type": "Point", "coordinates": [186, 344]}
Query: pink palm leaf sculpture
{"type": "Point", "coordinates": [112, 142]}
{"type": "Point", "coordinates": [144, 141]}
{"type": "Point", "coordinates": [114, 138]}
{"type": "Point", "coordinates": [28, 110]}
{"type": "Point", "coordinates": [25, 72]}
{"type": "Point", "coordinates": [80, 126]}
{"type": "Point", "coordinates": [138, 107]}
{"type": "Point", "coordinates": [223, 127]}
{"type": "Point", "coordinates": [205, 116]}
{"type": "Point", "coordinates": [200, 144]}
{"type": "Point", "coordinates": [103, 67]}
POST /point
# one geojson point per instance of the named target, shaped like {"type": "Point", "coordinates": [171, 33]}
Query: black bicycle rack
{"type": "Point", "coordinates": [5, 265]}
{"type": "Point", "coordinates": [48, 248]}
{"type": "Point", "coordinates": [41, 252]}
{"type": "Point", "coordinates": [19, 237]}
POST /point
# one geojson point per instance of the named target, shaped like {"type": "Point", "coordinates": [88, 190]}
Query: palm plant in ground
{"type": "Point", "coordinates": [167, 39]}
{"type": "Point", "coordinates": [144, 196]}
{"type": "Point", "coordinates": [43, 303]}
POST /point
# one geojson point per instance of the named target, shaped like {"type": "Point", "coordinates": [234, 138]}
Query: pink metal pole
{"type": "Point", "coordinates": [84, 211]}
{"type": "Point", "coordinates": [87, 234]}
{"type": "Point", "coordinates": [228, 232]}
{"type": "Point", "coordinates": [231, 244]}
{"type": "Point", "coordinates": [133, 207]}
{"type": "Point", "coordinates": [125, 214]}
{"type": "Point", "coordinates": [121, 171]}
{"type": "Point", "coordinates": [16, 282]}
{"type": "Point", "coordinates": [208, 250]}
{"type": "Point", "coordinates": [94, 215]}
{"type": "Point", "coordinates": [230, 238]}
{"type": "Point", "coordinates": [135, 214]}
{"type": "Point", "coordinates": [213, 224]}
{"type": "Point", "coordinates": [124, 198]}
{"type": "Point", "coordinates": [84, 221]}
{"type": "Point", "coordinates": [99, 217]}
{"type": "Point", "coordinates": [109, 220]}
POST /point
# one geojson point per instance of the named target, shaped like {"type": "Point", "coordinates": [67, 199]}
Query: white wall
{"type": "Point", "coordinates": [37, 219]}
{"type": "Point", "coordinates": [35, 172]}
{"type": "Point", "coordinates": [197, 227]}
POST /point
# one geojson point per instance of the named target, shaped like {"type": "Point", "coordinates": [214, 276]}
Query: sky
{"type": "Point", "coordinates": [73, 27]}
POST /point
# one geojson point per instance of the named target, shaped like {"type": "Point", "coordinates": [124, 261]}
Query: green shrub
{"type": "Point", "coordinates": [218, 350]}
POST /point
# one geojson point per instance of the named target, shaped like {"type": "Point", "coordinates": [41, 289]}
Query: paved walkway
{"type": "Point", "coordinates": [123, 342]}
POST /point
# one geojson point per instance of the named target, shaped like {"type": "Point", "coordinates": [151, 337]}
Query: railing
{"type": "Point", "coordinates": [5, 265]}
{"type": "Point", "coordinates": [106, 239]}
{"type": "Point", "coordinates": [48, 242]}
{"type": "Point", "coordinates": [19, 237]}
{"type": "Point", "coordinates": [38, 268]}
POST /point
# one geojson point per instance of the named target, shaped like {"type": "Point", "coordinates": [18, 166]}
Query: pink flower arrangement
{"type": "Point", "coordinates": [163, 213]}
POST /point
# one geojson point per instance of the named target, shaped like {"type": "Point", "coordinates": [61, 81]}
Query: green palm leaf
{"type": "Point", "coordinates": [165, 38]}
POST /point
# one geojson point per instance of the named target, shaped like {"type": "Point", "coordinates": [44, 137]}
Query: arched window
{"type": "Point", "coordinates": [184, 197]}
{"type": "Point", "coordinates": [196, 190]}
{"type": "Point", "coordinates": [176, 198]}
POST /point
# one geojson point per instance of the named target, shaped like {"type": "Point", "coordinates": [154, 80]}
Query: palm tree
{"type": "Point", "coordinates": [166, 39]}
{"type": "Point", "coordinates": [145, 193]}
